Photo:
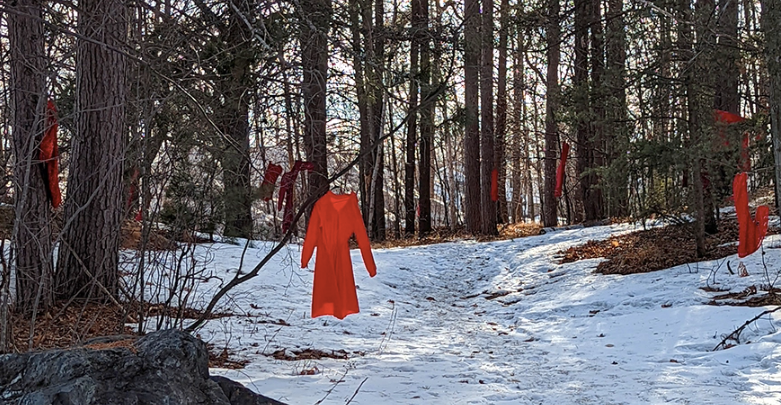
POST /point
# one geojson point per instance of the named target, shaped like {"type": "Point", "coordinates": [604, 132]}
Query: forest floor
{"type": "Point", "coordinates": [526, 320]}
{"type": "Point", "coordinates": [506, 321]}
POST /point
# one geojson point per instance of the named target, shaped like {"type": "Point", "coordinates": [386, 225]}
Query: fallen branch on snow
{"type": "Point", "coordinates": [735, 335]}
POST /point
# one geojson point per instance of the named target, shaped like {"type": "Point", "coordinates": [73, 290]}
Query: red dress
{"type": "Point", "coordinates": [334, 219]}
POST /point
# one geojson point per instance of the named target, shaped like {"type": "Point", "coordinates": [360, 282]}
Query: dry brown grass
{"type": "Point", "coordinates": [655, 249]}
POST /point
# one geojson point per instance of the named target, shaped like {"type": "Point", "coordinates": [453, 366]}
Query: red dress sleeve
{"type": "Point", "coordinates": [359, 229]}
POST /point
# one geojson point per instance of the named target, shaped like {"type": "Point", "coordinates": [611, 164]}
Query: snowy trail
{"type": "Point", "coordinates": [503, 323]}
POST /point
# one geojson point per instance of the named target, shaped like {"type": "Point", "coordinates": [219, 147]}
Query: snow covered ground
{"type": "Point", "coordinates": [502, 323]}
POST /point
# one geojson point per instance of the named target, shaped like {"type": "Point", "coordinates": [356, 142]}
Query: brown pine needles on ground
{"type": "Point", "coordinates": [655, 249]}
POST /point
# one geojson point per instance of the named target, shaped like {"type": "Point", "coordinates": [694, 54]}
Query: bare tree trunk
{"type": "Point", "coordinates": [314, 60]}
{"type": "Point", "coordinates": [500, 160]}
{"type": "Point", "coordinates": [414, 86]}
{"type": "Point", "coordinates": [426, 125]}
{"type": "Point", "coordinates": [771, 25]}
{"type": "Point", "coordinates": [519, 148]}
{"type": "Point", "coordinates": [728, 55]}
{"type": "Point", "coordinates": [376, 105]}
{"type": "Point", "coordinates": [585, 145]}
{"type": "Point", "coordinates": [599, 94]}
{"type": "Point", "coordinates": [553, 37]}
{"type": "Point", "coordinates": [234, 123]}
{"type": "Point", "coordinates": [364, 167]}
{"type": "Point", "coordinates": [472, 137]}
{"type": "Point", "coordinates": [697, 81]}
{"type": "Point", "coordinates": [88, 263]}
{"type": "Point", "coordinates": [32, 233]}
{"type": "Point", "coordinates": [487, 141]}
{"type": "Point", "coordinates": [726, 98]}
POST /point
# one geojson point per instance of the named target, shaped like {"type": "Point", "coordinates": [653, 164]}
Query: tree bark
{"type": "Point", "coordinates": [32, 236]}
{"type": "Point", "coordinates": [314, 60]}
{"type": "Point", "coordinates": [616, 134]}
{"type": "Point", "coordinates": [364, 167]}
{"type": "Point", "coordinates": [412, 127]}
{"type": "Point", "coordinates": [771, 25]}
{"type": "Point", "coordinates": [585, 144]}
{"type": "Point", "coordinates": [519, 144]}
{"type": "Point", "coordinates": [233, 121]}
{"type": "Point", "coordinates": [426, 124]}
{"type": "Point", "coordinates": [88, 260]}
{"type": "Point", "coordinates": [553, 36]}
{"type": "Point", "coordinates": [472, 199]}
{"type": "Point", "coordinates": [376, 105]}
{"type": "Point", "coordinates": [487, 141]}
{"type": "Point", "coordinates": [500, 160]}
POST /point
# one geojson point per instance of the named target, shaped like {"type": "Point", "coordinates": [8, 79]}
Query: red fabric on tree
{"type": "Point", "coordinates": [49, 155]}
{"type": "Point", "coordinates": [727, 117]}
{"type": "Point", "coordinates": [286, 191]}
{"type": "Point", "coordinates": [334, 219]}
{"type": "Point", "coordinates": [561, 169]}
{"type": "Point", "coordinates": [494, 185]}
{"type": "Point", "coordinates": [751, 230]}
{"type": "Point", "coordinates": [270, 178]}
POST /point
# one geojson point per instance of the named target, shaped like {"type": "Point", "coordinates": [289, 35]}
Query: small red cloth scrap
{"type": "Point", "coordinates": [269, 181]}
{"type": "Point", "coordinates": [286, 191]}
{"type": "Point", "coordinates": [49, 154]}
{"type": "Point", "coordinates": [727, 117]}
{"type": "Point", "coordinates": [560, 170]}
{"type": "Point", "coordinates": [751, 230]}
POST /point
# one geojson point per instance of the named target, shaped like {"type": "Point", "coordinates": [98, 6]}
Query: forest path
{"type": "Point", "coordinates": [504, 323]}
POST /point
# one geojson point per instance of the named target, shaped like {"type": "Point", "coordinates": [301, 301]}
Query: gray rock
{"type": "Point", "coordinates": [240, 395]}
{"type": "Point", "coordinates": [166, 368]}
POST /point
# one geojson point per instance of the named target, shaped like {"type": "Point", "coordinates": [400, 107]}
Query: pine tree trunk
{"type": "Point", "coordinates": [488, 207]}
{"type": "Point", "coordinates": [233, 122]}
{"type": "Point", "coordinates": [409, 164]}
{"type": "Point", "coordinates": [553, 37]}
{"type": "Point", "coordinates": [32, 226]}
{"type": "Point", "coordinates": [314, 61]}
{"type": "Point", "coordinates": [771, 25]}
{"type": "Point", "coordinates": [500, 159]}
{"type": "Point", "coordinates": [88, 261]}
{"type": "Point", "coordinates": [376, 105]}
{"type": "Point", "coordinates": [472, 199]}
{"type": "Point", "coordinates": [616, 132]}
{"type": "Point", "coordinates": [519, 144]}
{"type": "Point", "coordinates": [585, 145]}
{"type": "Point", "coordinates": [728, 57]}
{"type": "Point", "coordinates": [426, 125]}
{"type": "Point", "coordinates": [364, 166]}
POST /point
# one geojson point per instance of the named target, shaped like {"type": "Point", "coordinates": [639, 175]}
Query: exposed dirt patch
{"type": "Point", "coordinates": [308, 354]}
{"type": "Point", "coordinates": [63, 327]}
{"type": "Point", "coordinates": [178, 313]}
{"type": "Point", "coordinates": [443, 235]}
{"type": "Point", "coordinates": [132, 238]}
{"type": "Point", "coordinates": [655, 249]}
{"type": "Point", "coordinates": [224, 358]}
{"type": "Point", "coordinates": [751, 296]}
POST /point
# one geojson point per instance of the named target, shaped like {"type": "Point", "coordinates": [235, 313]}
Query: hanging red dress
{"type": "Point", "coordinates": [334, 219]}
{"type": "Point", "coordinates": [50, 154]}
{"type": "Point", "coordinates": [560, 170]}
{"type": "Point", "coordinates": [751, 231]}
